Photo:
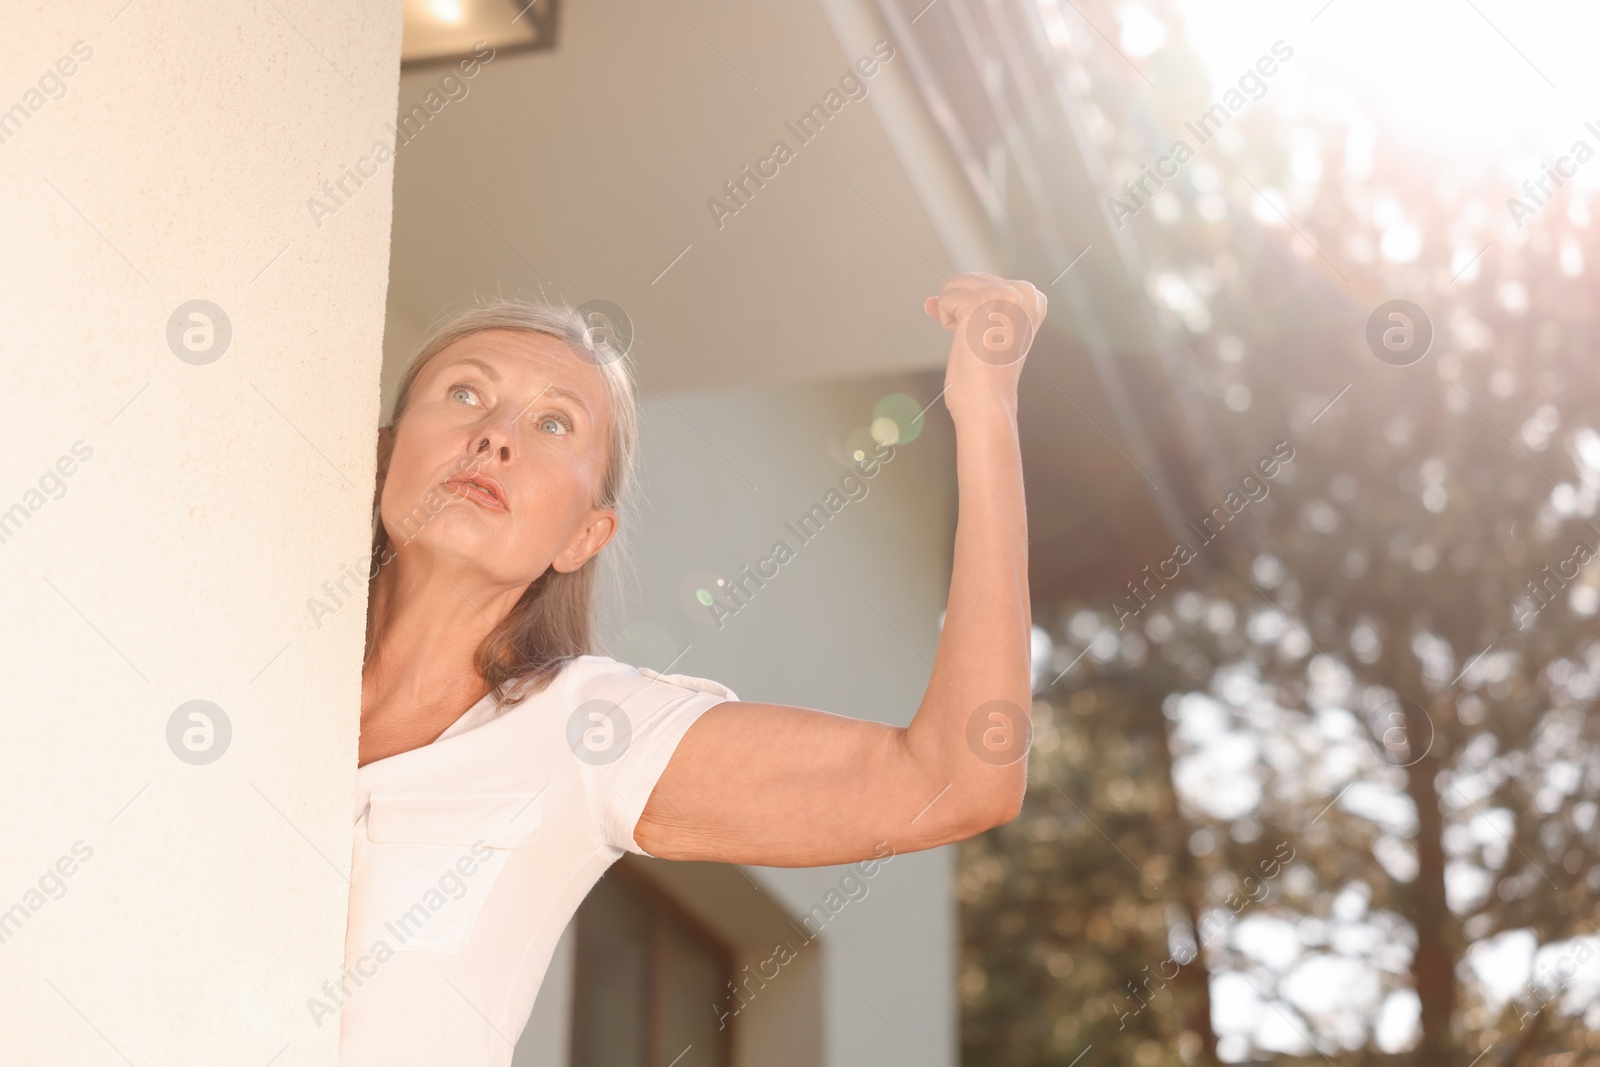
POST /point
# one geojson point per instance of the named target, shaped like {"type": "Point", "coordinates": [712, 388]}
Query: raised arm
{"type": "Point", "coordinates": [792, 787]}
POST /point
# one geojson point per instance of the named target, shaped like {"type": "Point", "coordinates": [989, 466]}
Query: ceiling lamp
{"type": "Point", "coordinates": [438, 31]}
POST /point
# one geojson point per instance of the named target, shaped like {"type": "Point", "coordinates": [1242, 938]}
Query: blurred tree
{"type": "Point", "coordinates": [1386, 663]}
{"type": "Point", "coordinates": [1067, 910]}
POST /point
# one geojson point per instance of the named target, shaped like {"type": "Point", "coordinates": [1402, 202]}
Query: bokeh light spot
{"type": "Point", "coordinates": [903, 412]}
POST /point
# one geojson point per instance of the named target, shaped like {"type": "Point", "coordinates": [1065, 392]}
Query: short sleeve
{"type": "Point", "coordinates": [624, 726]}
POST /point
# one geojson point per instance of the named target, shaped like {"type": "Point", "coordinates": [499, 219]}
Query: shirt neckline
{"type": "Point", "coordinates": [448, 732]}
{"type": "Point", "coordinates": [452, 731]}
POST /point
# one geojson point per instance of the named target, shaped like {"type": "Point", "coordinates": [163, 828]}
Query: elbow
{"type": "Point", "coordinates": [1007, 794]}
{"type": "Point", "coordinates": [1005, 809]}
{"type": "Point", "coordinates": [998, 807]}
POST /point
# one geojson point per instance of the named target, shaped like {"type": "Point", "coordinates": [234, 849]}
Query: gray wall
{"type": "Point", "coordinates": [811, 639]}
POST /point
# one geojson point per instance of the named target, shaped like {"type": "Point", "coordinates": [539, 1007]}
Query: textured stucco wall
{"type": "Point", "coordinates": [166, 510]}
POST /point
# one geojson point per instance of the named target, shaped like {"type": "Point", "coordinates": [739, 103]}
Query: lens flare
{"type": "Point", "coordinates": [899, 415]}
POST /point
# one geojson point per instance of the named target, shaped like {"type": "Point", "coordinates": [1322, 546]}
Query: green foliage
{"type": "Point", "coordinates": [1372, 664]}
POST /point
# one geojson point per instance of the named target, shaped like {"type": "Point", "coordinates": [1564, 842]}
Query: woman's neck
{"type": "Point", "coordinates": [426, 623]}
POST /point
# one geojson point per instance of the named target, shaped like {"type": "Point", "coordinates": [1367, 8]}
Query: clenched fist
{"type": "Point", "coordinates": [994, 322]}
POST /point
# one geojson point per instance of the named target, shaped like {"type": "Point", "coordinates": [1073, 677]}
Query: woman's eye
{"type": "Point", "coordinates": [464, 393]}
{"type": "Point", "coordinates": [554, 425]}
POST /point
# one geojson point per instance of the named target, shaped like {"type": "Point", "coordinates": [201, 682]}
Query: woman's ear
{"type": "Point", "coordinates": [589, 541]}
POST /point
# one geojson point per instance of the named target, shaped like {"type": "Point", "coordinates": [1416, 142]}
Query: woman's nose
{"type": "Point", "coordinates": [486, 448]}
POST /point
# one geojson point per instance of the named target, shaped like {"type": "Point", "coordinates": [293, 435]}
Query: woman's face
{"type": "Point", "coordinates": [498, 459]}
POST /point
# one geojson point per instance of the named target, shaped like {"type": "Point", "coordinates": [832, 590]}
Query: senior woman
{"type": "Point", "coordinates": [504, 767]}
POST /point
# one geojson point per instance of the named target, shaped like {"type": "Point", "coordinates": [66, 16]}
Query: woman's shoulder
{"type": "Point", "coordinates": [594, 673]}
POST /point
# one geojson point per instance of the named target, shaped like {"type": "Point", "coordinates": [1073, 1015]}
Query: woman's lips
{"type": "Point", "coordinates": [481, 490]}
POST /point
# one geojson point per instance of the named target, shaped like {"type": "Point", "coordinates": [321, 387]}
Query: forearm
{"type": "Point", "coordinates": [971, 729]}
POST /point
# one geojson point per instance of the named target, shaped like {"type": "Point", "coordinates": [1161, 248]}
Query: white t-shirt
{"type": "Point", "coordinates": [473, 852]}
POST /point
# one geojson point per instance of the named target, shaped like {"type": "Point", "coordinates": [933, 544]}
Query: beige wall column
{"type": "Point", "coordinates": [187, 402]}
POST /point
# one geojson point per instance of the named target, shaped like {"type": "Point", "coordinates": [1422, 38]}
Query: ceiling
{"type": "Point", "coordinates": [583, 172]}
